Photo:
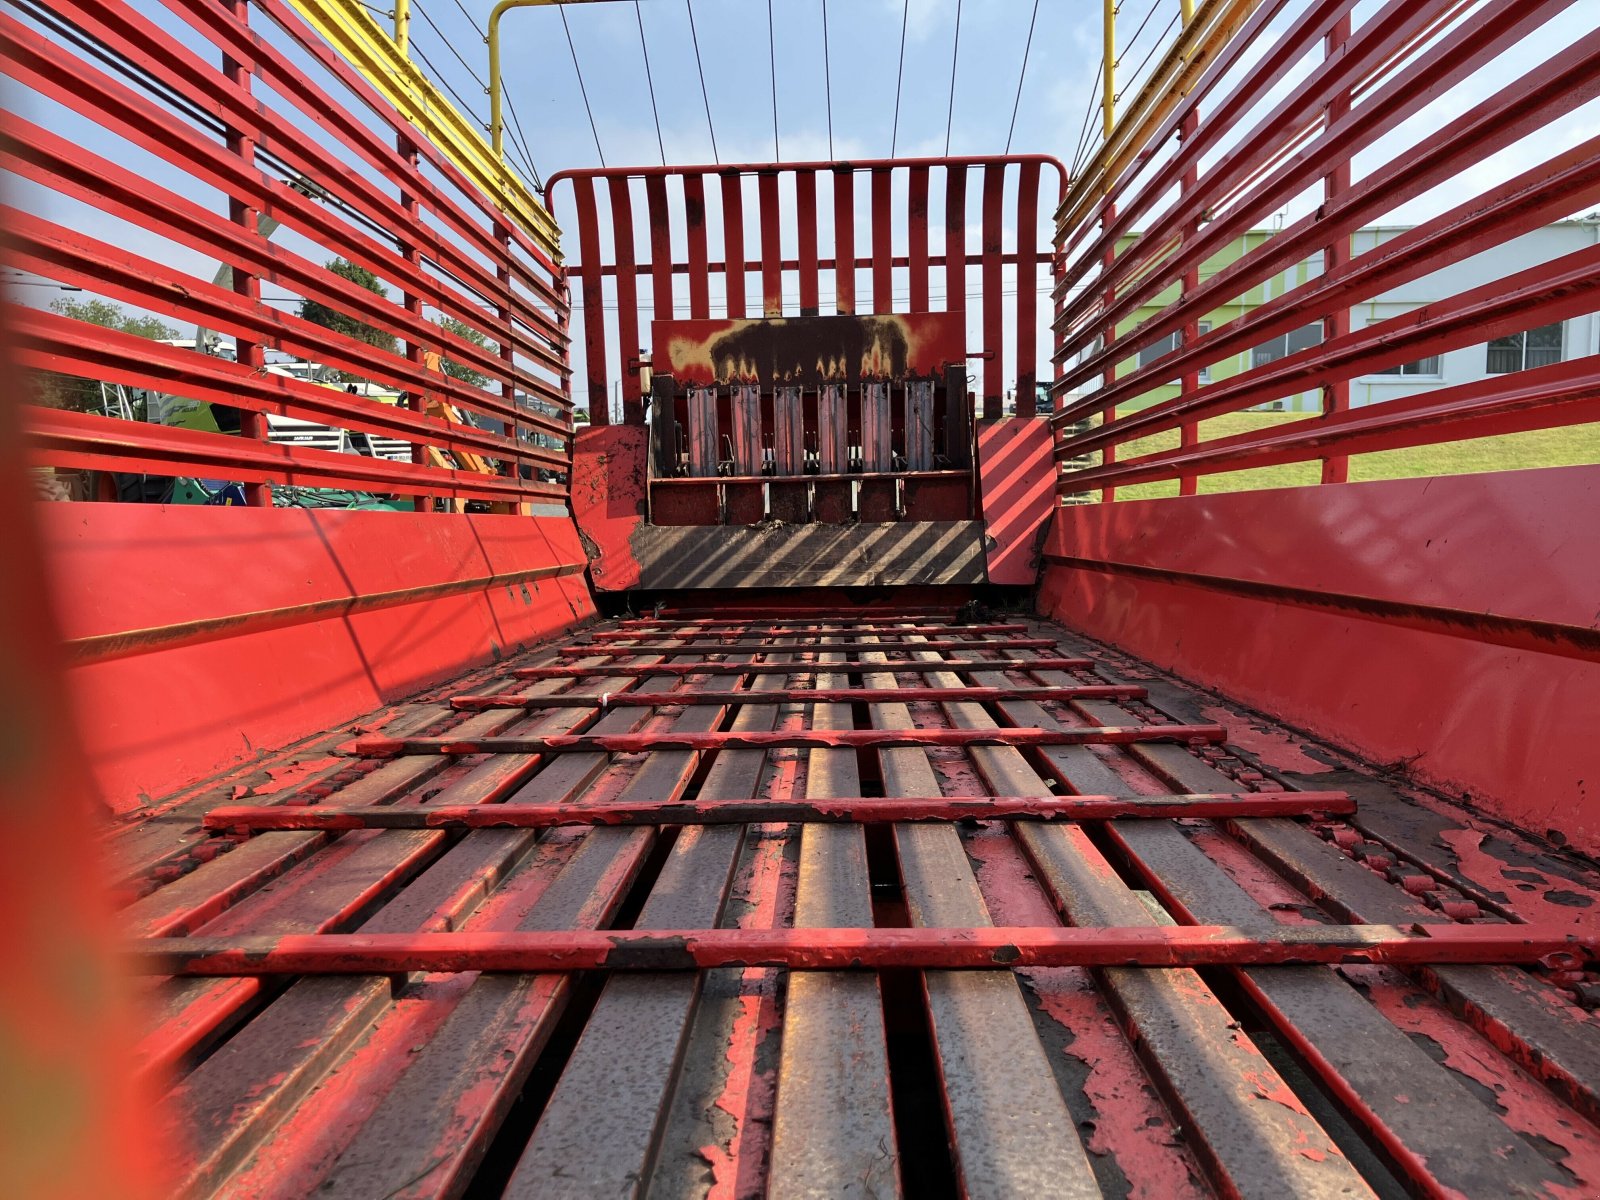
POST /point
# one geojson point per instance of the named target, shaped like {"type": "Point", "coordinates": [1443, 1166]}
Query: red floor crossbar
{"type": "Point", "coordinates": [800, 739]}
{"type": "Point", "coordinates": [1217, 805]}
{"type": "Point", "coordinates": [956, 666]}
{"type": "Point", "coordinates": [831, 647]}
{"type": "Point", "coordinates": [1104, 691]}
{"type": "Point", "coordinates": [713, 630]}
{"type": "Point", "coordinates": [846, 949]}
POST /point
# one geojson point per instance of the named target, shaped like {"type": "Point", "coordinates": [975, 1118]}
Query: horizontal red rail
{"type": "Point", "coordinates": [828, 646]}
{"type": "Point", "coordinates": [645, 743]}
{"type": "Point", "coordinates": [747, 812]}
{"type": "Point", "coordinates": [1092, 691]}
{"type": "Point", "coordinates": [955, 666]}
{"type": "Point", "coordinates": [713, 630]}
{"type": "Point", "coordinates": [856, 949]}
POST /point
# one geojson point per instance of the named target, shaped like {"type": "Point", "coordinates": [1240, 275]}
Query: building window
{"type": "Point", "coordinates": [1286, 344]}
{"type": "Point", "coordinates": [1536, 348]}
{"type": "Point", "coordinates": [1170, 343]}
{"type": "Point", "coordinates": [1423, 366]}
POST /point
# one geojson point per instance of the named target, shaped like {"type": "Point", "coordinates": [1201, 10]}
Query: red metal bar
{"type": "Point", "coordinates": [581, 650]}
{"type": "Point", "coordinates": [594, 330]}
{"type": "Point", "coordinates": [917, 233]}
{"type": "Point", "coordinates": [1027, 289]}
{"type": "Point", "coordinates": [844, 240]}
{"type": "Point", "coordinates": [640, 628]}
{"type": "Point", "coordinates": [805, 191]}
{"type": "Point", "coordinates": [694, 209]}
{"type": "Point", "coordinates": [985, 947]}
{"type": "Point", "coordinates": [655, 195]}
{"type": "Point", "coordinates": [644, 743]}
{"type": "Point", "coordinates": [955, 240]}
{"type": "Point", "coordinates": [882, 241]}
{"type": "Point", "coordinates": [1336, 395]}
{"type": "Point", "coordinates": [975, 695]}
{"type": "Point", "coordinates": [958, 667]}
{"type": "Point", "coordinates": [628, 341]}
{"type": "Point", "coordinates": [771, 244]}
{"type": "Point", "coordinates": [810, 811]}
{"type": "Point", "coordinates": [994, 386]}
{"type": "Point", "coordinates": [733, 241]}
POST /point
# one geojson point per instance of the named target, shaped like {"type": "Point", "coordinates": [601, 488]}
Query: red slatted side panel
{"type": "Point", "coordinates": [955, 239]}
{"type": "Point", "coordinates": [655, 196]}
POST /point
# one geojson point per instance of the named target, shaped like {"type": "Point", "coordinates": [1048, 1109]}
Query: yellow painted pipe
{"type": "Point", "coordinates": [1108, 97]}
{"type": "Point", "coordinates": [496, 124]}
{"type": "Point", "coordinates": [402, 27]}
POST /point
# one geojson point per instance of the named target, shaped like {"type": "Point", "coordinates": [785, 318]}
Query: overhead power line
{"type": "Point", "coordinates": [827, 75]}
{"type": "Point", "coordinates": [654, 111]}
{"type": "Point", "coordinates": [1022, 75]}
{"type": "Point", "coordinates": [899, 79]}
{"type": "Point", "coordinates": [700, 67]}
{"type": "Point", "coordinates": [772, 63]}
{"type": "Point", "coordinates": [582, 91]}
{"type": "Point", "coordinates": [955, 56]}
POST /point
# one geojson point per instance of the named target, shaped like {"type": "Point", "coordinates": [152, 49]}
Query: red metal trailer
{"type": "Point", "coordinates": [814, 775]}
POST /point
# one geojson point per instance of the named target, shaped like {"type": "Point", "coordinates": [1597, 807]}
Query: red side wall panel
{"type": "Point", "coordinates": [1469, 576]}
{"type": "Point", "coordinates": [1019, 491]}
{"type": "Point", "coordinates": [155, 718]}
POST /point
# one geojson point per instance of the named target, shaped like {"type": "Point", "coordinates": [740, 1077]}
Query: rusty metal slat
{"type": "Point", "coordinates": [771, 244]}
{"type": "Point", "coordinates": [746, 412]}
{"type": "Point", "coordinates": [1011, 1129]}
{"type": "Point", "coordinates": [1436, 1131]}
{"type": "Point", "coordinates": [594, 330]}
{"type": "Point", "coordinates": [789, 431]}
{"type": "Point", "coordinates": [844, 240]}
{"type": "Point", "coordinates": [1217, 1082]}
{"type": "Point", "coordinates": [703, 432]}
{"type": "Point", "coordinates": [832, 1133]}
{"type": "Point", "coordinates": [963, 666]}
{"type": "Point", "coordinates": [622, 1099]}
{"type": "Point", "coordinates": [882, 241]}
{"type": "Point", "coordinates": [1027, 288]}
{"type": "Point", "coordinates": [845, 739]}
{"type": "Point", "coordinates": [628, 344]}
{"type": "Point", "coordinates": [955, 242]}
{"type": "Point", "coordinates": [919, 425]}
{"type": "Point", "coordinates": [805, 190]}
{"type": "Point", "coordinates": [833, 432]}
{"type": "Point", "coordinates": [434, 1128]}
{"type": "Point", "coordinates": [733, 242]}
{"type": "Point", "coordinates": [994, 179]}
{"type": "Point", "coordinates": [704, 811]}
{"type": "Point", "coordinates": [655, 198]}
{"type": "Point", "coordinates": [917, 233]}
{"type": "Point", "coordinates": [877, 427]}
{"type": "Point", "coordinates": [694, 209]}
{"type": "Point", "coordinates": [752, 626]}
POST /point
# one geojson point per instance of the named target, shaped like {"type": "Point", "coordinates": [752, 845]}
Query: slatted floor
{"type": "Point", "coordinates": [1268, 1081]}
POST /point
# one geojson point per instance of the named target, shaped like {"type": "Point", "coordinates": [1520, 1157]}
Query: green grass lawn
{"type": "Point", "coordinates": [1571, 446]}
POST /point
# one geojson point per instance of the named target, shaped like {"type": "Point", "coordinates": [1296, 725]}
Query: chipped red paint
{"type": "Point", "coordinates": [983, 947]}
{"type": "Point", "coordinates": [740, 812]}
{"type": "Point", "coordinates": [609, 501]}
{"type": "Point", "coordinates": [959, 667]}
{"type": "Point", "coordinates": [643, 743]}
{"type": "Point", "coordinates": [852, 644]}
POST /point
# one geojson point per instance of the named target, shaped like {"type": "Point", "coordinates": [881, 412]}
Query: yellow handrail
{"type": "Point", "coordinates": [496, 125]}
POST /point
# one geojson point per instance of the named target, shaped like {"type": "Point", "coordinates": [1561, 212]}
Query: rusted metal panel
{"type": "Point", "coordinates": [748, 456]}
{"type": "Point", "coordinates": [789, 431]}
{"type": "Point", "coordinates": [919, 422]}
{"type": "Point", "coordinates": [703, 450]}
{"type": "Point", "coordinates": [833, 436]}
{"type": "Point", "coordinates": [811, 351]}
{"type": "Point", "coordinates": [877, 428]}
{"type": "Point", "coordinates": [1018, 495]}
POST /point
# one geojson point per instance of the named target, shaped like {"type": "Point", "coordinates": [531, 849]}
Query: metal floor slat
{"type": "Point", "coordinates": [760, 1081]}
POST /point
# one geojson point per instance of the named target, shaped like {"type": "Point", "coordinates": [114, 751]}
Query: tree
{"type": "Point", "coordinates": [456, 370]}
{"type": "Point", "coordinates": [54, 390]}
{"type": "Point", "coordinates": [330, 318]}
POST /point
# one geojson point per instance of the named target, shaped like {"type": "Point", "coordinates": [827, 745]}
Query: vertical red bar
{"type": "Point", "coordinates": [1108, 334]}
{"type": "Point", "coordinates": [1336, 397]}
{"type": "Point", "coordinates": [694, 212]}
{"type": "Point", "coordinates": [955, 239]}
{"type": "Point", "coordinates": [917, 231]}
{"type": "Point", "coordinates": [844, 239]}
{"type": "Point", "coordinates": [655, 199]}
{"type": "Point", "coordinates": [733, 239]}
{"type": "Point", "coordinates": [1027, 288]}
{"type": "Point", "coordinates": [417, 402]}
{"type": "Point", "coordinates": [1189, 431]}
{"type": "Point", "coordinates": [994, 365]}
{"type": "Point", "coordinates": [771, 244]}
{"type": "Point", "coordinates": [627, 300]}
{"type": "Point", "coordinates": [248, 353]}
{"type": "Point", "coordinates": [805, 197]}
{"type": "Point", "coordinates": [882, 241]}
{"type": "Point", "coordinates": [510, 467]}
{"type": "Point", "coordinates": [588, 272]}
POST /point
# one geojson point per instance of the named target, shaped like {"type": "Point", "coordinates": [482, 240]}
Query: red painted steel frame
{"type": "Point", "coordinates": [610, 650]}
{"type": "Point", "coordinates": [736, 812]}
{"type": "Point", "coordinates": [644, 743]}
{"type": "Point", "coordinates": [607, 359]}
{"type": "Point", "coordinates": [983, 948]}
